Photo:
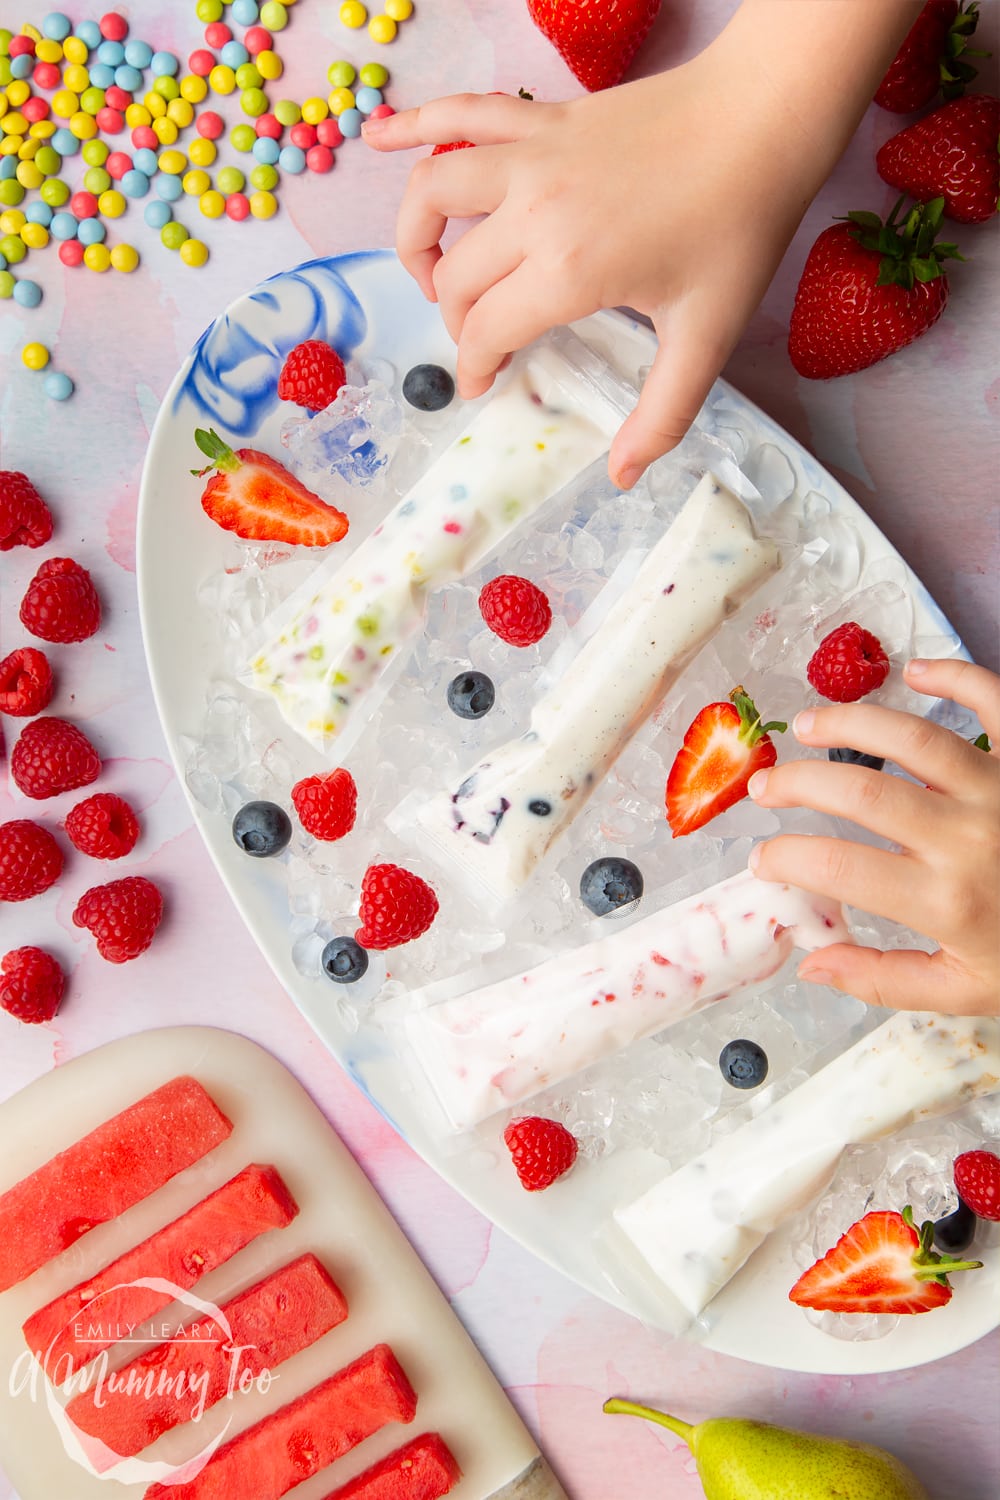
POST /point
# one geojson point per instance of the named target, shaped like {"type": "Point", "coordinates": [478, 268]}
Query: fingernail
{"type": "Point", "coordinates": [627, 477]}
{"type": "Point", "coordinates": [757, 785]}
{"type": "Point", "coordinates": [754, 859]}
{"type": "Point", "coordinates": [372, 127]}
{"type": "Point", "coordinates": [803, 723]}
{"type": "Point", "coordinates": [917, 667]}
{"type": "Point", "coordinates": [815, 976]}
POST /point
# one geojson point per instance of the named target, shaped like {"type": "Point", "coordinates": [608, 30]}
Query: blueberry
{"type": "Point", "coordinates": [743, 1064]}
{"type": "Point", "coordinates": [262, 828]}
{"type": "Point", "coordinates": [540, 807]}
{"type": "Point", "coordinates": [471, 694]}
{"type": "Point", "coordinates": [428, 387]}
{"type": "Point", "coordinates": [856, 758]}
{"type": "Point", "coordinates": [608, 884]}
{"type": "Point", "coordinates": [955, 1232]}
{"type": "Point", "coordinates": [344, 961]}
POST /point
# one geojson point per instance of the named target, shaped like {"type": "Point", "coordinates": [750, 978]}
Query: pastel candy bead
{"type": "Point", "coordinates": [268, 125]}
{"type": "Point", "coordinates": [137, 114]}
{"type": "Point", "coordinates": [266, 150]}
{"type": "Point", "coordinates": [54, 192]}
{"type": "Point", "coordinates": [138, 54]}
{"type": "Point", "coordinates": [304, 135]}
{"type": "Point", "coordinates": [35, 109]}
{"type": "Point", "coordinates": [341, 74]}
{"type": "Point", "coordinates": [46, 75]}
{"type": "Point", "coordinates": [269, 64]}
{"type": "Point", "coordinates": [21, 45]}
{"type": "Point", "coordinates": [169, 189]}
{"type": "Point", "coordinates": [111, 53]}
{"type": "Point", "coordinates": [273, 15]}
{"type": "Point", "coordinates": [222, 79]}
{"type": "Point", "coordinates": [163, 64]}
{"type": "Point", "coordinates": [194, 252]}
{"type": "Point", "coordinates": [145, 138]}
{"type": "Point", "coordinates": [381, 112]}
{"type": "Point", "coordinates": [124, 257]}
{"type": "Point", "coordinates": [35, 236]}
{"type": "Point", "coordinates": [173, 235]}
{"type": "Point", "coordinates": [319, 158]}
{"type": "Point", "coordinates": [97, 180]}
{"type": "Point", "coordinates": [8, 167]}
{"type": "Point", "coordinates": [101, 76]}
{"type": "Point", "coordinates": [7, 282]}
{"type": "Point", "coordinates": [217, 34]}
{"type": "Point", "coordinates": [71, 252]}
{"type": "Point", "coordinates": [35, 356]}
{"type": "Point", "coordinates": [368, 99]}
{"type": "Point", "coordinates": [128, 78]}
{"type": "Point", "coordinates": [22, 67]}
{"type": "Point", "coordinates": [374, 76]}
{"type": "Point", "coordinates": [201, 62]}
{"type": "Point", "coordinates": [257, 40]}
{"type": "Point", "coordinates": [353, 14]}
{"type": "Point", "coordinates": [112, 204]}
{"type": "Point", "coordinates": [57, 26]}
{"type": "Point", "coordinates": [39, 213]}
{"type": "Point", "coordinates": [237, 207]}
{"type": "Point", "coordinates": [209, 10]}
{"type": "Point", "coordinates": [75, 50]}
{"type": "Point", "coordinates": [245, 12]}
{"type": "Point", "coordinates": [248, 76]}
{"type": "Point", "coordinates": [118, 163]}
{"type": "Point", "coordinates": [83, 205]}
{"type": "Point", "coordinates": [264, 177]}
{"type": "Point", "coordinates": [399, 10]}
{"type": "Point", "coordinates": [95, 153]}
{"type": "Point", "coordinates": [113, 26]}
{"type": "Point", "coordinates": [27, 293]}
{"type": "Point", "coordinates": [65, 142]}
{"type": "Point", "coordinates": [166, 131]}
{"type": "Point", "coordinates": [328, 134]}
{"type": "Point", "coordinates": [118, 98]}
{"type": "Point", "coordinates": [212, 204]}
{"type": "Point", "coordinates": [63, 226]}
{"type": "Point", "coordinates": [58, 386]}
{"type": "Point", "coordinates": [382, 29]}
{"type": "Point", "coordinates": [253, 102]}
{"type": "Point", "coordinates": [287, 112]}
{"type": "Point", "coordinates": [350, 123]}
{"type": "Point", "coordinates": [145, 161]}
{"type": "Point", "coordinates": [181, 111]}
{"type": "Point", "coordinates": [263, 205]}
{"type": "Point", "coordinates": [91, 232]}
{"type": "Point", "coordinates": [196, 182]}
{"type": "Point", "coordinates": [111, 121]}
{"type": "Point", "coordinates": [210, 125]}
{"type": "Point", "coordinates": [89, 33]}
{"type": "Point", "coordinates": [230, 180]}
{"type": "Point", "coordinates": [292, 159]}
{"type": "Point", "coordinates": [168, 88]}
{"type": "Point", "coordinates": [234, 54]}
{"type": "Point", "coordinates": [157, 213]}
{"type": "Point", "coordinates": [193, 89]}
{"type": "Point", "coordinates": [12, 192]}
{"type": "Point", "coordinates": [243, 136]}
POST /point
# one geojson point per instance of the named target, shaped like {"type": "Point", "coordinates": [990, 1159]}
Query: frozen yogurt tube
{"type": "Point", "coordinates": [508, 811]}
{"type": "Point", "coordinates": [494, 1047]}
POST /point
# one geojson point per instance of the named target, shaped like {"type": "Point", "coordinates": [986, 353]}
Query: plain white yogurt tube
{"type": "Point", "coordinates": [494, 1047]}
{"type": "Point", "coordinates": [510, 808]}
{"type": "Point", "coordinates": [690, 1233]}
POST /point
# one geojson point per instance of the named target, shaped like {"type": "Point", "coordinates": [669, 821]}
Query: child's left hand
{"type": "Point", "coordinates": [944, 881]}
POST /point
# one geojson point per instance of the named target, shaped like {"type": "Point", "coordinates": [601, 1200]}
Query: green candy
{"type": "Point", "coordinates": [208, 11]}
{"type": "Point", "coordinates": [97, 181]}
{"type": "Point", "coordinates": [11, 193]}
{"type": "Point", "coordinates": [341, 75]}
{"type": "Point", "coordinates": [7, 285]}
{"type": "Point", "coordinates": [48, 161]}
{"type": "Point", "coordinates": [168, 88]}
{"type": "Point", "coordinates": [95, 153]}
{"type": "Point", "coordinates": [91, 100]}
{"type": "Point", "coordinates": [230, 180]}
{"type": "Point", "coordinates": [374, 76]}
{"type": "Point", "coordinates": [12, 248]}
{"type": "Point", "coordinates": [243, 137]}
{"type": "Point", "coordinates": [253, 102]}
{"type": "Point", "coordinates": [53, 190]}
{"type": "Point", "coordinates": [287, 112]}
{"type": "Point", "coordinates": [248, 76]}
{"type": "Point", "coordinates": [173, 235]}
{"type": "Point", "coordinates": [264, 177]}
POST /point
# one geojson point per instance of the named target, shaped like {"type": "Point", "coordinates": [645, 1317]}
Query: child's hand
{"type": "Point", "coordinates": [945, 880]}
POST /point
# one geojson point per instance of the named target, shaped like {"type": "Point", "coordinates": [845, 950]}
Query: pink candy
{"type": "Point", "coordinates": [145, 136]}
{"type": "Point", "coordinates": [319, 159]}
{"type": "Point", "coordinates": [237, 206]}
{"type": "Point", "coordinates": [210, 125]}
{"type": "Point", "coordinates": [328, 134]}
{"type": "Point", "coordinates": [83, 205]}
{"type": "Point", "coordinates": [35, 109]}
{"type": "Point", "coordinates": [45, 76]}
{"type": "Point", "coordinates": [257, 39]}
{"type": "Point", "coordinates": [269, 125]}
{"type": "Point", "coordinates": [117, 164]}
{"type": "Point", "coordinates": [71, 252]}
{"type": "Point", "coordinates": [111, 121]}
{"type": "Point", "coordinates": [201, 62]}
{"type": "Point", "coordinates": [381, 112]}
{"type": "Point", "coordinates": [113, 27]}
{"type": "Point", "coordinates": [21, 46]}
{"type": "Point", "coordinates": [303, 135]}
{"type": "Point", "coordinates": [117, 98]}
{"type": "Point", "coordinates": [217, 34]}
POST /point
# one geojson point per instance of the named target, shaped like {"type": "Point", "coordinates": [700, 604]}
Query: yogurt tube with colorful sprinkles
{"type": "Point", "coordinates": [332, 644]}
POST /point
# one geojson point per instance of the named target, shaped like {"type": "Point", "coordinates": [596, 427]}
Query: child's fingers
{"type": "Point", "coordinates": [887, 805]}
{"type": "Point", "coordinates": [485, 119]}
{"type": "Point", "coordinates": [507, 317]}
{"type": "Point", "coordinates": [441, 188]}
{"type": "Point", "coordinates": [904, 979]}
{"type": "Point", "coordinates": [963, 682]}
{"type": "Point", "coordinates": [484, 255]}
{"type": "Point", "coordinates": [927, 750]}
{"type": "Point", "coordinates": [873, 880]}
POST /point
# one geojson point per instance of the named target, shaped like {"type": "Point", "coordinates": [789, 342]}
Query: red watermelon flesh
{"type": "Point", "coordinates": [292, 1444]}
{"type": "Point", "coordinates": [267, 1324]}
{"type": "Point", "coordinates": [422, 1470]}
{"type": "Point", "coordinates": [106, 1172]}
{"type": "Point", "coordinates": [73, 1329]}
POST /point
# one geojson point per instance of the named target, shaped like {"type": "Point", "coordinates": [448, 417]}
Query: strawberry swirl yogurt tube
{"type": "Point", "coordinates": [510, 808]}
{"type": "Point", "coordinates": [494, 1047]}
{"type": "Point", "coordinates": [332, 644]}
{"type": "Point", "coordinates": [683, 1239]}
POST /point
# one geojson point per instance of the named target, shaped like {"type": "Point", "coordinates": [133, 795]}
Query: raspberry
{"type": "Point", "coordinates": [123, 916]}
{"type": "Point", "coordinates": [541, 1149]}
{"type": "Point", "coordinates": [977, 1180]}
{"type": "Point", "coordinates": [52, 756]}
{"type": "Point", "coordinates": [396, 906]}
{"type": "Point", "coordinates": [25, 520]}
{"type": "Point", "coordinates": [452, 146]}
{"type": "Point", "coordinates": [515, 609]}
{"type": "Point", "coordinates": [326, 804]}
{"type": "Point", "coordinates": [61, 603]}
{"type": "Point", "coordinates": [25, 682]}
{"type": "Point", "coordinates": [847, 664]}
{"type": "Point", "coordinates": [30, 860]}
{"type": "Point", "coordinates": [103, 826]}
{"type": "Point", "coordinates": [31, 984]}
{"type": "Point", "coordinates": [312, 375]}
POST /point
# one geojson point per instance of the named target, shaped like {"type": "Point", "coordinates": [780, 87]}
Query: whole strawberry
{"type": "Point", "coordinates": [31, 985]}
{"type": "Point", "coordinates": [61, 603]}
{"type": "Point", "coordinates": [931, 58]}
{"type": "Point", "coordinates": [52, 756]}
{"type": "Point", "coordinates": [868, 290]}
{"type": "Point", "coordinates": [25, 682]}
{"type": "Point", "coordinates": [950, 154]}
{"type": "Point", "coordinates": [848, 664]}
{"type": "Point", "coordinates": [541, 1150]}
{"type": "Point", "coordinates": [25, 519]}
{"type": "Point", "coordinates": [515, 609]}
{"type": "Point", "coordinates": [122, 915]}
{"type": "Point", "coordinates": [977, 1180]}
{"type": "Point", "coordinates": [312, 375]}
{"type": "Point", "coordinates": [103, 826]}
{"type": "Point", "coordinates": [30, 860]}
{"type": "Point", "coordinates": [326, 804]}
{"type": "Point", "coordinates": [254, 496]}
{"type": "Point", "coordinates": [396, 906]}
{"type": "Point", "coordinates": [597, 41]}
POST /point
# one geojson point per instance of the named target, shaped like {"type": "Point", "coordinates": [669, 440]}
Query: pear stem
{"type": "Point", "coordinates": [617, 1407]}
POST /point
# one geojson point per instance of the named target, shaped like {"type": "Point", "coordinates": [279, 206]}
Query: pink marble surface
{"type": "Point", "coordinates": [915, 439]}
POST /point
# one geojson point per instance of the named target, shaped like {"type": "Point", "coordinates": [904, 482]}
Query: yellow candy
{"type": "Point", "coordinates": [12, 220]}
{"type": "Point", "coordinates": [166, 131]}
{"type": "Point", "coordinates": [202, 151]}
{"type": "Point", "coordinates": [29, 177]}
{"type": "Point", "coordinates": [181, 111]}
{"type": "Point", "coordinates": [171, 162]}
{"type": "Point", "coordinates": [28, 30]}
{"type": "Point", "coordinates": [97, 257]}
{"type": "Point", "coordinates": [112, 203]}
{"type": "Point", "coordinates": [193, 88]}
{"type": "Point", "coordinates": [195, 252]}
{"type": "Point", "coordinates": [76, 79]}
{"type": "Point", "coordinates": [222, 80]}
{"type": "Point", "coordinates": [11, 144]}
{"type": "Point", "coordinates": [14, 123]}
{"type": "Point", "coordinates": [399, 10]}
{"type": "Point", "coordinates": [35, 356]}
{"type": "Point", "coordinates": [35, 236]}
{"type": "Point", "coordinates": [269, 64]}
{"type": "Point", "coordinates": [17, 92]}
{"type": "Point", "coordinates": [49, 51]}
{"type": "Point", "coordinates": [28, 149]}
{"type": "Point", "coordinates": [353, 14]}
{"type": "Point", "coordinates": [5, 102]}
{"type": "Point", "coordinates": [74, 50]}
{"type": "Point", "coordinates": [263, 205]}
{"type": "Point", "coordinates": [83, 126]}
{"type": "Point", "coordinates": [195, 183]}
{"type": "Point", "coordinates": [155, 103]}
{"type": "Point", "coordinates": [42, 130]}
{"type": "Point", "coordinates": [212, 204]}
{"type": "Point", "coordinates": [382, 29]}
{"type": "Point", "coordinates": [64, 103]}
{"type": "Point", "coordinates": [314, 110]}
{"type": "Point", "coordinates": [137, 114]}
{"type": "Point", "coordinates": [124, 257]}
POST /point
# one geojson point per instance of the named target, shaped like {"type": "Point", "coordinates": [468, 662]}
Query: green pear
{"type": "Point", "coordinates": [743, 1460]}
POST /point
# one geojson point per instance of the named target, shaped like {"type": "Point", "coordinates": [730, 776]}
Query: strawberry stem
{"type": "Point", "coordinates": [907, 249]}
{"type": "Point", "coordinates": [982, 742]}
{"type": "Point", "coordinates": [222, 456]}
{"type": "Point", "coordinates": [751, 729]}
{"type": "Point", "coordinates": [928, 1265]}
{"type": "Point", "coordinates": [955, 72]}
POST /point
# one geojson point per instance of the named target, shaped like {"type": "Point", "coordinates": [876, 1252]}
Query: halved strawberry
{"type": "Point", "coordinates": [255, 496]}
{"type": "Point", "coordinates": [724, 746]}
{"type": "Point", "coordinates": [881, 1265]}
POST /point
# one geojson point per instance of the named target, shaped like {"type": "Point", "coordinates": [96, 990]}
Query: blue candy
{"type": "Point", "coordinates": [138, 54]}
{"type": "Point", "coordinates": [134, 184]}
{"type": "Point", "coordinates": [38, 213]}
{"type": "Point", "coordinates": [245, 12]}
{"type": "Point", "coordinates": [129, 79]}
{"type": "Point", "coordinates": [111, 53]}
{"type": "Point", "coordinates": [156, 214]}
{"type": "Point", "coordinates": [368, 99]}
{"type": "Point", "coordinates": [234, 55]}
{"type": "Point", "coordinates": [91, 232]}
{"type": "Point", "coordinates": [58, 387]}
{"type": "Point", "coordinates": [145, 160]}
{"type": "Point", "coordinates": [350, 122]}
{"type": "Point", "coordinates": [22, 66]}
{"type": "Point", "coordinates": [65, 142]}
{"type": "Point", "coordinates": [27, 293]}
{"type": "Point", "coordinates": [64, 226]}
{"type": "Point", "coordinates": [56, 26]}
{"type": "Point", "coordinates": [266, 150]}
{"type": "Point", "coordinates": [3, 263]}
{"type": "Point", "coordinates": [102, 75]}
{"type": "Point", "coordinates": [292, 159]}
{"type": "Point", "coordinates": [164, 64]}
{"type": "Point", "coordinates": [8, 168]}
{"type": "Point", "coordinates": [168, 187]}
{"type": "Point", "coordinates": [90, 34]}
